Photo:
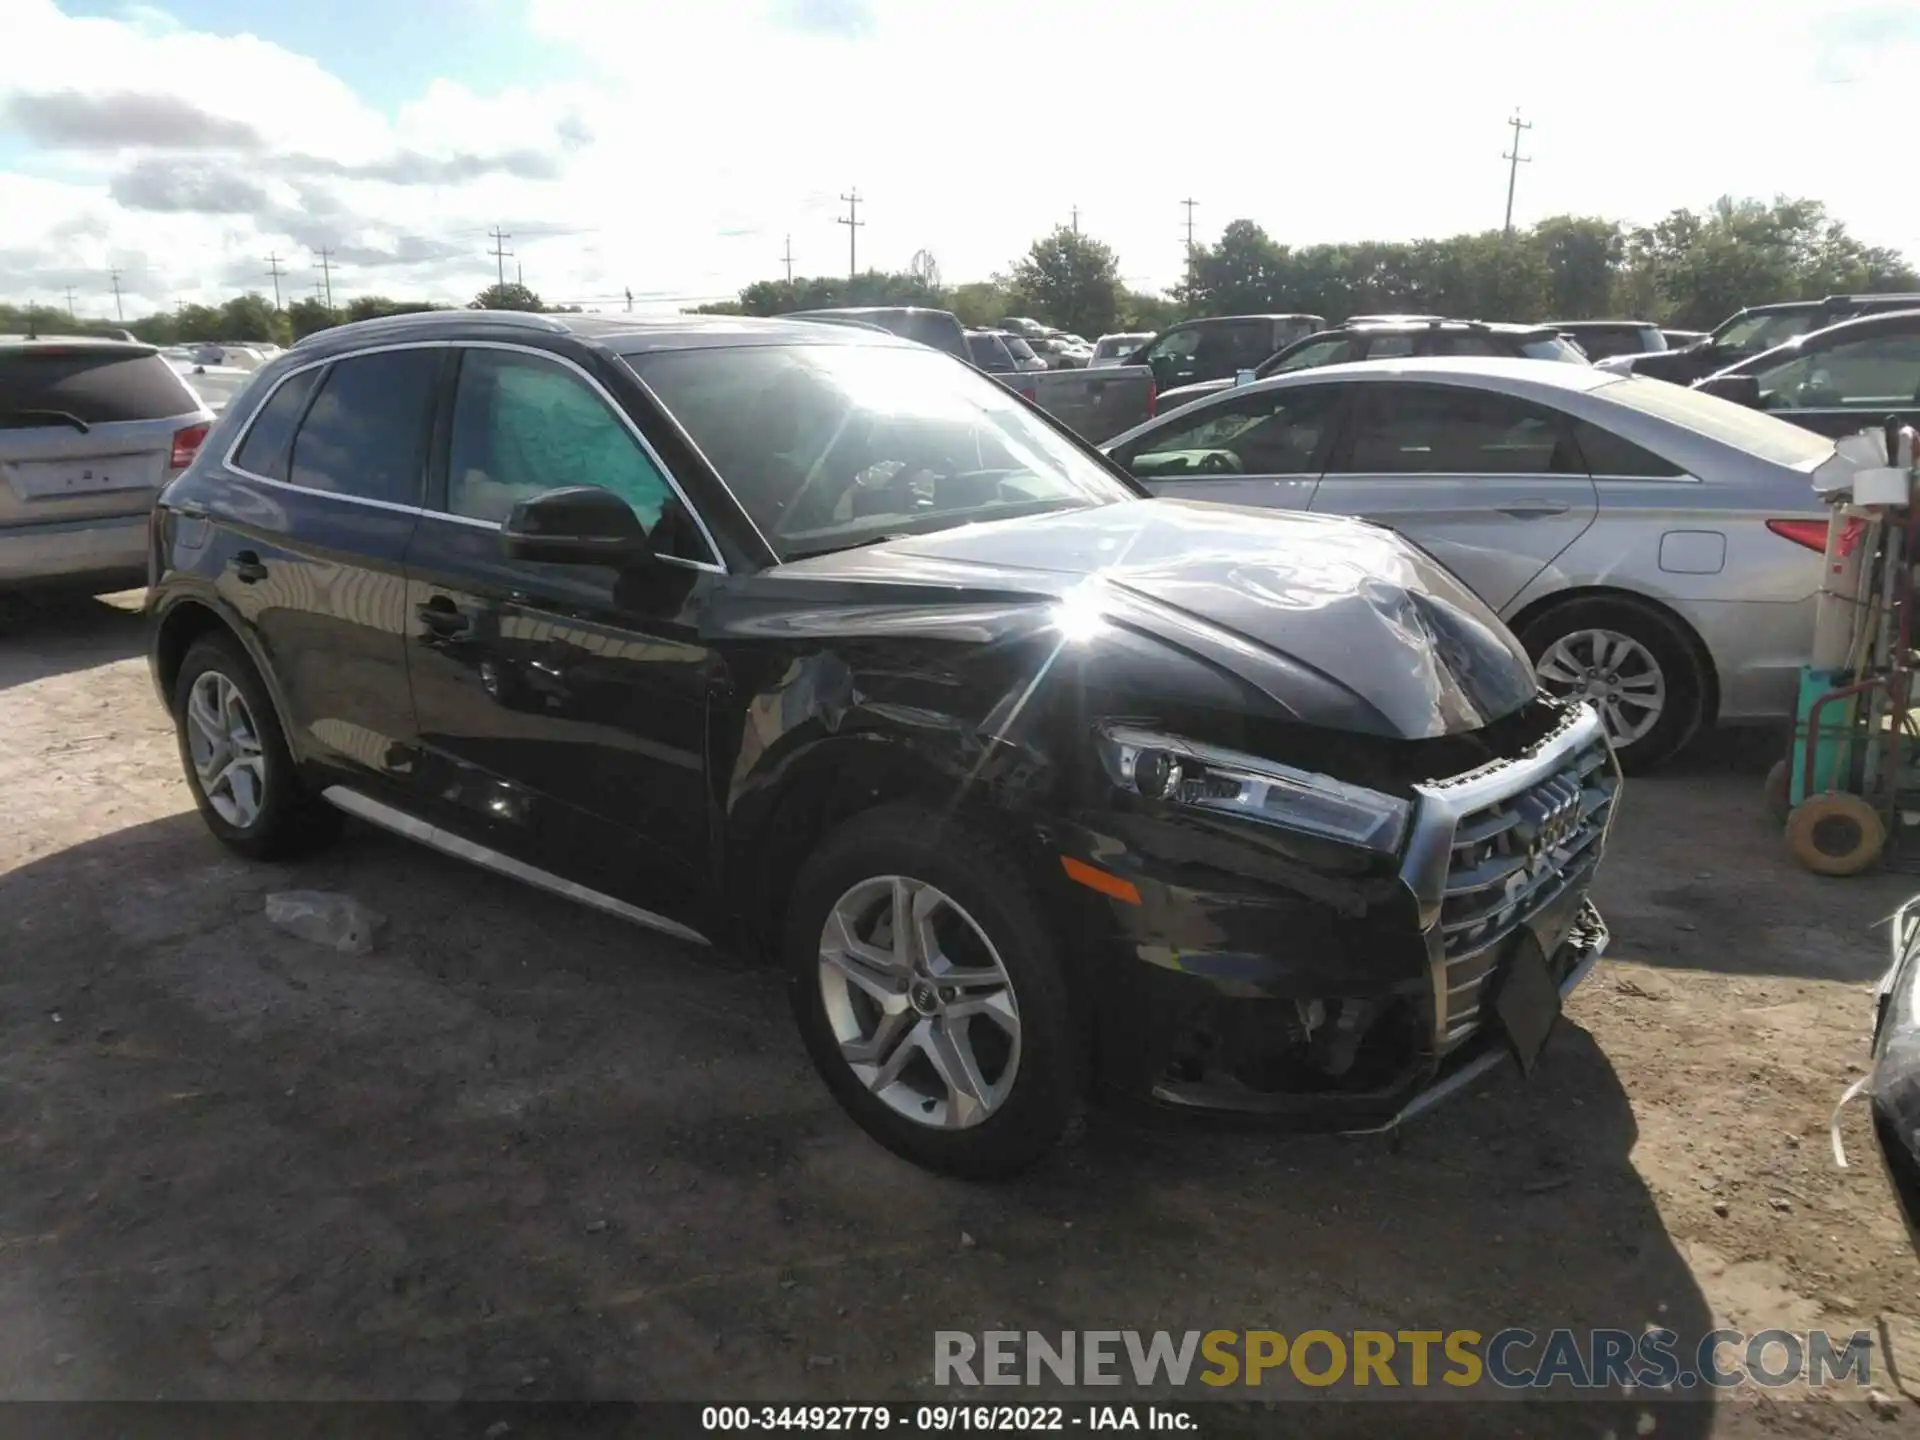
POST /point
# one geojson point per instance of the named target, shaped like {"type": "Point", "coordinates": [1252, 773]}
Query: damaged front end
{"type": "Point", "coordinates": [1331, 986]}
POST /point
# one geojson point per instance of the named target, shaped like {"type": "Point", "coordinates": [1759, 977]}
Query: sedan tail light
{"type": "Point", "coordinates": [1810, 533]}
{"type": "Point", "coordinates": [186, 445]}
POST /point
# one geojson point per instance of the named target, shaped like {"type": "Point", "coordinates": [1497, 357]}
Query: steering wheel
{"type": "Point", "coordinates": [1219, 462]}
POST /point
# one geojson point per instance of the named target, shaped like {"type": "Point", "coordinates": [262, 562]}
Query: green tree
{"type": "Point", "coordinates": [249, 317]}
{"type": "Point", "coordinates": [308, 317]}
{"type": "Point", "coordinates": [1244, 274]}
{"type": "Point", "coordinates": [1069, 280]}
{"type": "Point", "coordinates": [1582, 255]}
{"type": "Point", "coordinates": [506, 297]}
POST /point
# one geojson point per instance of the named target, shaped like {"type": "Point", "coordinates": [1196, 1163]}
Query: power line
{"type": "Point", "coordinates": [788, 257]}
{"type": "Point", "coordinates": [325, 267]}
{"type": "Point", "coordinates": [273, 269]}
{"type": "Point", "coordinates": [853, 223]}
{"type": "Point", "coordinates": [1514, 161]}
{"type": "Point", "coordinates": [1189, 204]}
{"type": "Point", "coordinates": [118, 312]}
{"type": "Point", "coordinates": [500, 254]}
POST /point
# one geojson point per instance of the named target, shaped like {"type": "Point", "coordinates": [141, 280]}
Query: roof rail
{"type": "Point", "coordinates": [1883, 297]}
{"type": "Point", "coordinates": [520, 319]}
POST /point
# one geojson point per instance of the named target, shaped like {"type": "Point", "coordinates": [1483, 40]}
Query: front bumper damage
{"type": "Point", "coordinates": [1355, 1007]}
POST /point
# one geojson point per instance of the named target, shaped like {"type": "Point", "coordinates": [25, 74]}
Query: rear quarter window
{"type": "Point", "coordinates": [270, 437]}
{"type": "Point", "coordinates": [1722, 420]}
{"type": "Point", "coordinates": [98, 387]}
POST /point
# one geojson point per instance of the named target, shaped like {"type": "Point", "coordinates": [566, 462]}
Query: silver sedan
{"type": "Point", "coordinates": [1655, 549]}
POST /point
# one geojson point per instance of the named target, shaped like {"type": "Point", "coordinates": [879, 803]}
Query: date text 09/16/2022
{"type": "Point", "coordinates": [946, 1419]}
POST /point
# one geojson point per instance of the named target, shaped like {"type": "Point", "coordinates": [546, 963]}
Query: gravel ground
{"type": "Point", "coordinates": [523, 1151]}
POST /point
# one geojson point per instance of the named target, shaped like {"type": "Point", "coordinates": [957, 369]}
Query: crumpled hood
{"type": "Point", "coordinates": [1263, 594]}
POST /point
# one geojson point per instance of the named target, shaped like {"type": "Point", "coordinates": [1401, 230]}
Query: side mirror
{"type": "Point", "coordinates": [1741, 389]}
{"type": "Point", "coordinates": [577, 525]}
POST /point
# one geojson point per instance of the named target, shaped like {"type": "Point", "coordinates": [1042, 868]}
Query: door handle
{"type": "Point", "coordinates": [441, 616]}
{"type": "Point", "coordinates": [247, 568]}
{"type": "Point", "coordinates": [1534, 509]}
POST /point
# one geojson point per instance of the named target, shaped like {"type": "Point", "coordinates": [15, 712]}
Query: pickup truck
{"type": "Point", "coordinates": [1095, 404]}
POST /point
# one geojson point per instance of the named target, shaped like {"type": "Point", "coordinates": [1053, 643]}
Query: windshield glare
{"type": "Point", "coordinates": [829, 446]}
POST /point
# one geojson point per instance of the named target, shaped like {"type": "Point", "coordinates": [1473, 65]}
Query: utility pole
{"type": "Point", "coordinates": [853, 222]}
{"type": "Point", "coordinates": [1076, 219]}
{"type": "Point", "coordinates": [70, 314]}
{"type": "Point", "coordinates": [1189, 204]}
{"type": "Point", "coordinates": [325, 267]}
{"type": "Point", "coordinates": [1514, 161]}
{"type": "Point", "coordinates": [500, 254]}
{"type": "Point", "coordinates": [273, 269]}
{"type": "Point", "coordinates": [788, 257]}
{"type": "Point", "coordinates": [118, 313]}
{"type": "Point", "coordinates": [629, 299]}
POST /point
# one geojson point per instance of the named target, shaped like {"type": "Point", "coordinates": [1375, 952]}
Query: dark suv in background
{"type": "Point", "coordinates": [1756, 329]}
{"type": "Point", "coordinates": [1220, 347]}
{"type": "Point", "coordinates": [808, 638]}
{"type": "Point", "coordinates": [1388, 338]}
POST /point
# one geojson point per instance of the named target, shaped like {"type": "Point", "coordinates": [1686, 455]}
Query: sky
{"type": "Point", "coordinates": [676, 147]}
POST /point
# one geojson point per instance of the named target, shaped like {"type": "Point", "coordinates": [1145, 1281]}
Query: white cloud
{"type": "Point", "coordinates": [702, 135]}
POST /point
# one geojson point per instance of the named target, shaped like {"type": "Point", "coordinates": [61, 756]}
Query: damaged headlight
{"type": "Point", "coordinates": [1225, 782]}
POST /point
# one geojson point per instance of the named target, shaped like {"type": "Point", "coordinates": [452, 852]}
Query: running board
{"type": "Point", "coordinates": [414, 828]}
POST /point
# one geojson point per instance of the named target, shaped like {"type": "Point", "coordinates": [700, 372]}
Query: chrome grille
{"type": "Point", "coordinates": [1510, 859]}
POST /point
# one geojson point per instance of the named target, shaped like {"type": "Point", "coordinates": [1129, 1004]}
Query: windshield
{"type": "Point", "coordinates": [829, 446]}
{"type": "Point", "coordinates": [1020, 348]}
{"type": "Point", "coordinates": [1722, 420]}
{"type": "Point", "coordinates": [1552, 347]}
{"type": "Point", "coordinates": [1750, 334]}
{"type": "Point", "coordinates": [1111, 345]}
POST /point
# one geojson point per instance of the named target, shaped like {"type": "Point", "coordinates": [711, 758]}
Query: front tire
{"type": "Point", "coordinates": [236, 758]}
{"type": "Point", "coordinates": [930, 994]}
{"type": "Point", "coordinates": [1633, 663]}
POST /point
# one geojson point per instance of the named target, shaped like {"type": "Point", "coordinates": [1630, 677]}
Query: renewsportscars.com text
{"type": "Point", "coordinates": [1510, 1359]}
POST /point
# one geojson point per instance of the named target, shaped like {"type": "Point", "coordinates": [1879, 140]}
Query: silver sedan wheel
{"type": "Point", "coordinates": [1615, 671]}
{"type": "Point", "coordinates": [920, 1002]}
{"type": "Point", "coordinates": [225, 745]}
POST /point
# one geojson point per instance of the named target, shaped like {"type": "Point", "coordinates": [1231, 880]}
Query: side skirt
{"type": "Point", "coordinates": [414, 828]}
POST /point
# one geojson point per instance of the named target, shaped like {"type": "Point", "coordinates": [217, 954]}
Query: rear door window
{"type": "Point", "coordinates": [94, 386]}
{"type": "Point", "coordinates": [269, 439]}
{"type": "Point", "coordinates": [1451, 430]}
{"type": "Point", "coordinates": [365, 433]}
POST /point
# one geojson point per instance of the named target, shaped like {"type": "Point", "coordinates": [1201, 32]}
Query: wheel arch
{"type": "Point", "coordinates": [820, 789]}
{"type": "Point", "coordinates": [189, 619]}
{"type": "Point", "coordinates": [1633, 599]}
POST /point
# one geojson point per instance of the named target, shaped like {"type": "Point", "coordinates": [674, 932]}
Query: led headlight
{"type": "Point", "coordinates": [1175, 771]}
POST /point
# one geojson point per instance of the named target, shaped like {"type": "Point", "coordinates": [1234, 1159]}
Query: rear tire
{"type": "Point", "coordinates": [1636, 664]}
{"type": "Point", "coordinates": [236, 758]}
{"type": "Point", "coordinates": [884, 1031]}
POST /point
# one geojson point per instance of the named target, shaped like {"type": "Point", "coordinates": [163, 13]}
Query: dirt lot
{"type": "Point", "coordinates": [523, 1151]}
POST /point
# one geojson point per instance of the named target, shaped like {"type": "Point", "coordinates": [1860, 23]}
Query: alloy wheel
{"type": "Point", "coordinates": [920, 1002]}
{"type": "Point", "coordinates": [224, 743]}
{"type": "Point", "coordinates": [1616, 672]}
